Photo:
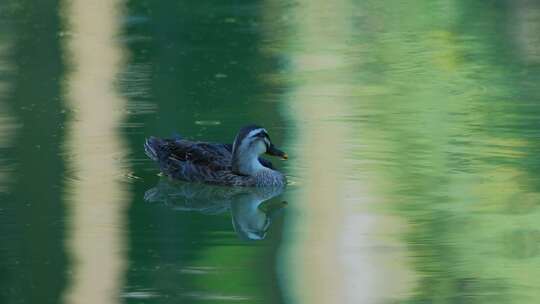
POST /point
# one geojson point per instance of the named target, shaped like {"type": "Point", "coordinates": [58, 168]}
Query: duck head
{"type": "Point", "coordinates": [250, 142]}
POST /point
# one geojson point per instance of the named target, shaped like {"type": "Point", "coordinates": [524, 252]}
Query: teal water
{"type": "Point", "coordinates": [412, 131]}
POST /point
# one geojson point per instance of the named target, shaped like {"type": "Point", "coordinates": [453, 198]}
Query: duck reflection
{"type": "Point", "coordinates": [252, 208]}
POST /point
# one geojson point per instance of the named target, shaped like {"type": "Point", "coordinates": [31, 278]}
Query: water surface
{"type": "Point", "coordinates": [412, 129]}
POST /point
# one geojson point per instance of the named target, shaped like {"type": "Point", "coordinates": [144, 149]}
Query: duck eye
{"type": "Point", "coordinates": [260, 135]}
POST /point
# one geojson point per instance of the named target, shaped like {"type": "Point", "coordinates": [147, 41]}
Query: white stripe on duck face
{"type": "Point", "coordinates": [251, 134]}
{"type": "Point", "coordinates": [255, 132]}
{"type": "Point", "coordinates": [267, 141]}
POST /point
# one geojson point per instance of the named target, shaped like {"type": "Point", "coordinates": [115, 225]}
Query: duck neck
{"type": "Point", "coordinates": [247, 165]}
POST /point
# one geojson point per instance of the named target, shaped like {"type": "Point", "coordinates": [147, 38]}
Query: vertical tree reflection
{"type": "Point", "coordinates": [97, 196]}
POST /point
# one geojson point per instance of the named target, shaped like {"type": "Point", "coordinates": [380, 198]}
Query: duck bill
{"type": "Point", "coordinates": [272, 150]}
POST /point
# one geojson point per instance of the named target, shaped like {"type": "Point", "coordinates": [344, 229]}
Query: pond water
{"type": "Point", "coordinates": [413, 132]}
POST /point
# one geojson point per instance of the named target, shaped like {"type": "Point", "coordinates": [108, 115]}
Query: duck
{"type": "Point", "coordinates": [238, 164]}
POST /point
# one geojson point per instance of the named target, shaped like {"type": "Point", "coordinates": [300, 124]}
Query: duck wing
{"type": "Point", "coordinates": [214, 156]}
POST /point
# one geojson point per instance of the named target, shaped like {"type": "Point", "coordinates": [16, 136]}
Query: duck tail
{"type": "Point", "coordinates": [152, 146]}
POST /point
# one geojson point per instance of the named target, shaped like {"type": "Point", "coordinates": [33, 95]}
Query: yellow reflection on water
{"type": "Point", "coordinates": [337, 251]}
{"type": "Point", "coordinates": [96, 198]}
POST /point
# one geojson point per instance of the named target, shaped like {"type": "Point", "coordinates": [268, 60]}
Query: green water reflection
{"type": "Point", "coordinates": [412, 128]}
{"type": "Point", "coordinates": [33, 261]}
